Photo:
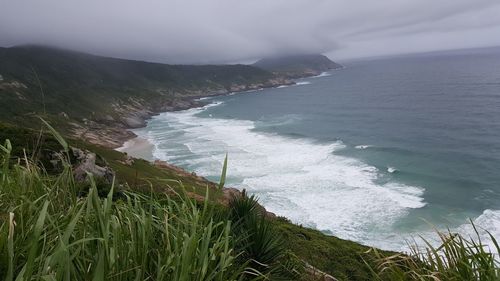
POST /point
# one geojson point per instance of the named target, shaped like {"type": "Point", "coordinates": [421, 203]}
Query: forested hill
{"type": "Point", "coordinates": [80, 84]}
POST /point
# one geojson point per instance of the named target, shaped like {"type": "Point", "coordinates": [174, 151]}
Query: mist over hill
{"type": "Point", "coordinates": [97, 98]}
{"type": "Point", "coordinates": [84, 82]}
{"type": "Point", "coordinates": [297, 66]}
{"type": "Point", "coordinates": [80, 86]}
{"type": "Point", "coordinates": [91, 91]}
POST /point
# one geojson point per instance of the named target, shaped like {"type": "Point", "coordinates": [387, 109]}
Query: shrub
{"type": "Point", "coordinates": [260, 242]}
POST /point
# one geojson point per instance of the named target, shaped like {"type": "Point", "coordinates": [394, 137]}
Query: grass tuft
{"type": "Point", "coordinates": [456, 258]}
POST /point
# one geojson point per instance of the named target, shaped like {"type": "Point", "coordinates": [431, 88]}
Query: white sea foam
{"type": "Point", "coordinates": [303, 83]}
{"type": "Point", "coordinates": [297, 178]}
{"type": "Point", "coordinates": [299, 83]}
{"type": "Point", "coordinates": [203, 98]}
{"type": "Point", "coordinates": [391, 170]}
{"type": "Point", "coordinates": [253, 90]}
{"type": "Point", "coordinates": [488, 221]}
{"type": "Point", "coordinates": [362, 146]}
{"type": "Point", "coordinates": [323, 74]}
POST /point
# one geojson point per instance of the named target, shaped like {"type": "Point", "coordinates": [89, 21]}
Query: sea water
{"type": "Point", "coordinates": [378, 152]}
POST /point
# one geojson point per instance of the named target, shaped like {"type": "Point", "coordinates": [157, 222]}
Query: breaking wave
{"type": "Point", "coordinates": [298, 178]}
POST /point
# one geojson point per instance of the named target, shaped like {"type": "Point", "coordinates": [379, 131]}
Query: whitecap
{"type": "Point", "coordinates": [322, 74]}
{"type": "Point", "coordinates": [362, 146]}
{"type": "Point", "coordinates": [203, 98]}
{"type": "Point", "coordinates": [296, 178]}
{"type": "Point", "coordinates": [485, 224]}
{"type": "Point", "coordinates": [302, 83]}
{"type": "Point", "coordinates": [488, 221]}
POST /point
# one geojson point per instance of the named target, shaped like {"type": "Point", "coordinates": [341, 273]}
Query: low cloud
{"type": "Point", "coordinates": [227, 31]}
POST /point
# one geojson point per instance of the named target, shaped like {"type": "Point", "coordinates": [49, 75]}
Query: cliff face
{"type": "Point", "coordinates": [98, 94]}
{"type": "Point", "coordinates": [297, 66]}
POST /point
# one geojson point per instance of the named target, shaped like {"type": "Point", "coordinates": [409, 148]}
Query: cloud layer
{"type": "Point", "coordinates": [225, 31]}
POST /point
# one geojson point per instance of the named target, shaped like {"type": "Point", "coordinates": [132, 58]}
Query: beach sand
{"type": "Point", "coordinates": [139, 148]}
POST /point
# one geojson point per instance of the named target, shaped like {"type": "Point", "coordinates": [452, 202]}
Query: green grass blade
{"type": "Point", "coordinates": [223, 174]}
{"type": "Point", "coordinates": [37, 232]}
{"type": "Point", "coordinates": [10, 246]}
{"type": "Point", "coordinates": [56, 135]}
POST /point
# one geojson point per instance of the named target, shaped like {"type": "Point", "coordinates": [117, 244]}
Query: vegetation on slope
{"type": "Point", "coordinates": [55, 228]}
{"type": "Point", "coordinates": [257, 246]}
{"type": "Point", "coordinates": [457, 258]}
{"type": "Point", "coordinates": [86, 83]}
{"type": "Point", "coordinates": [138, 174]}
{"type": "Point", "coordinates": [71, 88]}
{"type": "Point", "coordinates": [50, 230]}
{"type": "Point", "coordinates": [329, 254]}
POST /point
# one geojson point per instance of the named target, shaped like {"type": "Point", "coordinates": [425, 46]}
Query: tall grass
{"type": "Point", "coordinates": [50, 230]}
{"type": "Point", "coordinates": [457, 258]}
{"type": "Point", "coordinates": [47, 234]}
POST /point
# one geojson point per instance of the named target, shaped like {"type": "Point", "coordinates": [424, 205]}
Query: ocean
{"type": "Point", "coordinates": [378, 152]}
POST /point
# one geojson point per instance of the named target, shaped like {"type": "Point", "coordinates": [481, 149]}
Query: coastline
{"type": "Point", "coordinates": [139, 147]}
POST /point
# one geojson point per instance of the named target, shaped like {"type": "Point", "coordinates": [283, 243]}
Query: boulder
{"type": "Point", "coordinates": [86, 162]}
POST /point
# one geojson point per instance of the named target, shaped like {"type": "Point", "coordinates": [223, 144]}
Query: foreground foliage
{"type": "Point", "coordinates": [48, 232]}
{"type": "Point", "coordinates": [51, 230]}
{"type": "Point", "coordinates": [457, 258]}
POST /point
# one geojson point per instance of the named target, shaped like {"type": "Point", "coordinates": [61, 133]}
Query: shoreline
{"type": "Point", "coordinates": [141, 142]}
{"type": "Point", "coordinates": [135, 145]}
{"type": "Point", "coordinates": [138, 147]}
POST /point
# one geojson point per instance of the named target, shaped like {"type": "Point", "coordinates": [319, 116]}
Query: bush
{"type": "Point", "coordinates": [260, 242]}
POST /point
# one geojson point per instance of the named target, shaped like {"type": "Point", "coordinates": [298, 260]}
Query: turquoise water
{"type": "Point", "coordinates": [375, 152]}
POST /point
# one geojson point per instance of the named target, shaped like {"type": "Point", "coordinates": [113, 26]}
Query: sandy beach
{"type": "Point", "coordinates": [139, 148]}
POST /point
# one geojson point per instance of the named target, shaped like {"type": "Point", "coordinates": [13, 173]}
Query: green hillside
{"type": "Point", "coordinates": [81, 86]}
{"type": "Point", "coordinates": [136, 177]}
{"type": "Point", "coordinates": [72, 208]}
{"type": "Point", "coordinates": [97, 94]}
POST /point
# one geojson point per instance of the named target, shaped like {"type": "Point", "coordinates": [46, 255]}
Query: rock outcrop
{"type": "Point", "coordinates": [86, 163]}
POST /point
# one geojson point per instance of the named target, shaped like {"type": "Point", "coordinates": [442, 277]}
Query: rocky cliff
{"type": "Point", "coordinates": [96, 98]}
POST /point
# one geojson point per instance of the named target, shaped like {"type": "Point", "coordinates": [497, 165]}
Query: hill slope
{"type": "Point", "coordinates": [84, 88]}
{"type": "Point", "coordinates": [343, 259]}
{"type": "Point", "coordinates": [298, 65]}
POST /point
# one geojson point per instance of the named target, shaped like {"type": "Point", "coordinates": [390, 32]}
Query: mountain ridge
{"type": "Point", "coordinates": [94, 93]}
{"type": "Point", "coordinates": [98, 98]}
{"type": "Point", "coordinates": [297, 66]}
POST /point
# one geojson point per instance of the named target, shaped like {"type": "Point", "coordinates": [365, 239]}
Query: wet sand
{"type": "Point", "coordinates": [139, 148]}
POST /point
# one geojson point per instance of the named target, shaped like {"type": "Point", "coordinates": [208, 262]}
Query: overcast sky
{"type": "Point", "coordinates": [226, 31]}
